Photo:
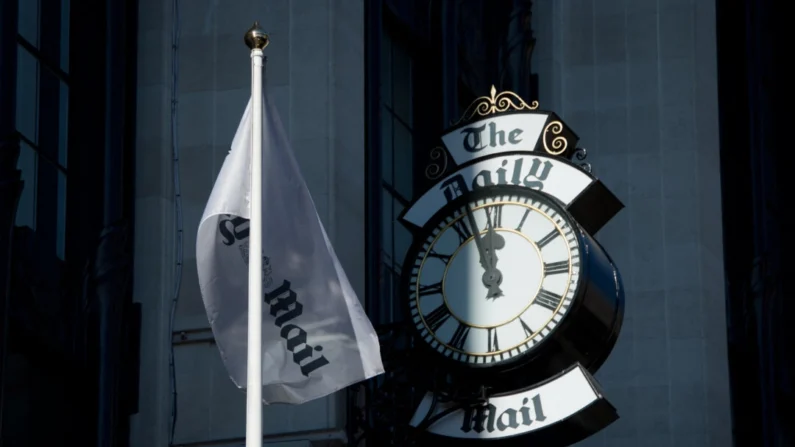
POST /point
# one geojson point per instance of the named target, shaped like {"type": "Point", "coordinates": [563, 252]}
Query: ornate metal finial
{"type": "Point", "coordinates": [256, 38]}
{"type": "Point", "coordinates": [496, 103]}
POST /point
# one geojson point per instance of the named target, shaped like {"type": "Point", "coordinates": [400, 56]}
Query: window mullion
{"type": "Point", "coordinates": [43, 61]}
{"type": "Point", "coordinates": [396, 195]}
{"type": "Point", "coordinates": [397, 118]}
{"type": "Point", "coordinates": [41, 154]}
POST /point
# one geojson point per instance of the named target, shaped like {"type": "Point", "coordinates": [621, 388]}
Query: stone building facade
{"type": "Point", "coordinates": [636, 80]}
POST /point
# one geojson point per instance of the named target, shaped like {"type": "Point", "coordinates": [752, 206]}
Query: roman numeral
{"type": "Point", "coordinates": [547, 299]}
{"type": "Point", "coordinates": [462, 228]}
{"type": "Point", "coordinates": [437, 317]}
{"type": "Point", "coordinates": [431, 289]}
{"type": "Point", "coordinates": [527, 331]}
{"type": "Point", "coordinates": [524, 218]}
{"type": "Point", "coordinates": [493, 344]}
{"type": "Point", "coordinates": [494, 215]}
{"type": "Point", "coordinates": [439, 256]}
{"type": "Point", "coordinates": [548, 238]}
{"type": "Point", "coordinates": [554, 268]}
{"type": "Point", "coordinates": [460, 336]}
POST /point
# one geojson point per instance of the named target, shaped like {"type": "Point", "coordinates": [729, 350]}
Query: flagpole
{"type": "Point", "coordinates": [256, 39]}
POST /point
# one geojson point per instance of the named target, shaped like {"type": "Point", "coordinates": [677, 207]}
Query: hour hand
{"type": "Point", "coordinates": [494, 241]}
{"type": "Point", "coordinates": [485, 261]}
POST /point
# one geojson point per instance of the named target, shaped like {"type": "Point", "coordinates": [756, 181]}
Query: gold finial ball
{"type": "Point", "coordinates": [256, 38]}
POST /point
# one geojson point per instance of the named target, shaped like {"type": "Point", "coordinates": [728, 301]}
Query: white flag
{"type": "Point", "coordinates": [316, 338]}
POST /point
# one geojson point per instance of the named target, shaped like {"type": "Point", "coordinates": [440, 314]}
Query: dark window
{"type": "Point", "coordinates": [397, 134]}
{"type": "Point", "coordinates": [59, 285]}
{"type": "Point", "coordinates": [42, 118]}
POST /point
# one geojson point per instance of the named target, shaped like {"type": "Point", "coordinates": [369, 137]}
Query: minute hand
{"type": "Point", "coordinates": [492, 235]}
{"type": "Point", "coordinates": [485, 262]}
{"type": "Point", "coordinates": [493, 276]}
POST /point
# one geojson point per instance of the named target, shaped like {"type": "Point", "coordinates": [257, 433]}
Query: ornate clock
{"type": "Point", "coordinates": [492, 280]}
{"type": "Point", "coordinates": [510, 303]}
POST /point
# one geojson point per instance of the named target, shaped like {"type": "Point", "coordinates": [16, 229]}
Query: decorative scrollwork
{"type": "Point", "coordinates": [438, 164]}
{"type": "Point", "coordinates": [586, 167]}
{"type": "Point", "coordinates": [496, 103]}
{"type": "Point", "coordinates": [554, 142]}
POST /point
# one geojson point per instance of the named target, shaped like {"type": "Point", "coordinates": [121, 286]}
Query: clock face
{"type": "Point", "coordinates": [493, 275]}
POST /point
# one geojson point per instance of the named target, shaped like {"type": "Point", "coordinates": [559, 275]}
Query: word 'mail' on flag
{"type": "Point", "coordinates": [316, 338]}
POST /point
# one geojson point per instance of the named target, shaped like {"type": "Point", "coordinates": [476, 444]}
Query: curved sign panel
{"type": "Point", "coordinates": [515, 414]}
{"type": "Point", "coordinates": [554, 176]}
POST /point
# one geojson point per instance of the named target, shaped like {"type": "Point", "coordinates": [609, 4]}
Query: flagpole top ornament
{"type": "Point", "coordinates": [256, 38]}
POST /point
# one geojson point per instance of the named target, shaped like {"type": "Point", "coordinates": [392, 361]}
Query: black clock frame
{"type": "Point", "coordinates": [586, 334]}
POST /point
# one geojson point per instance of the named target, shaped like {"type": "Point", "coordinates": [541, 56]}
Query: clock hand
{"type": "Point", "coordinates": [484, 259]}
{"type": "Point", "coordinates": [492, 235]}
{"type": "Point", "coordinates": [492, 277]}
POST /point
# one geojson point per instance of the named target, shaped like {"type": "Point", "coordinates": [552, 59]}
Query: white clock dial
{"type": "Point", "coordinates": [494, 278]}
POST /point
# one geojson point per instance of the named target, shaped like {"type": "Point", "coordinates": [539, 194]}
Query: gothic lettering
{"type": "Point", "coordinates": [482, 179]}
{"type": "Point", "coordinates": [534, 178]}
{"type": "Point", "coordinates": [295, 336]}
{"type": "Point", "coordinates": [513, 136]}
{"type": "Point", "coordinates": [495, 135]}
{"type": "Point", "coordinates": [314, 364]}
{"type": "Point", "coordinates": [478, 138]}
{"type": "Point", "coordinates": [304, 353]}
{"type": "Point", "coordinates": [232, 229]}
{"type": "Point", "coordinates": [472, 138]}
{"type": "Point", "coordinates": [475, 418]}
{"type": "Point", "coordinates": [285, 301]}
{"type": "Point", "coordinates": [490, 418]}
{"type": "Point", "coordinates": [537, 184]}
{"type": "Point", "coordinates": [454, 187]}
{"type": "Point", "coordinates": [517, 172]}
{"type": "Point", "coordinates": [539, 410]}
{"type": "Point", "coordinates": [526, 420]}
{"type": "Point", "coordinates": [298, 337]}
{"type": "Point", "coordinates": [502, 424]}
{"type": "Point", "coordinates": [501, 173]}
{"type": "Point", "coordinates": [288, 304]}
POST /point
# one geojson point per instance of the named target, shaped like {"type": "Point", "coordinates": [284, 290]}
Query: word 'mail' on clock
{"type": "Point", "coordinates": [487, 417]}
